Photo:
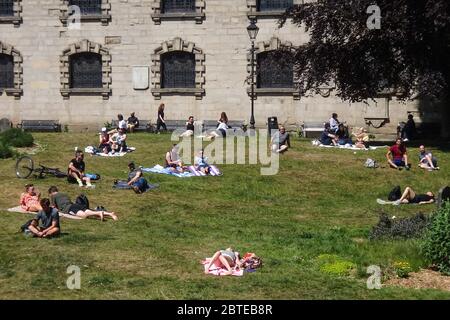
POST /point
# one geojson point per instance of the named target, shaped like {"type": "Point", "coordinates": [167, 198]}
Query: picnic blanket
{"type": "Point", "coordinates": [61, 214]}
{"type": "Point", "coordinates": [123, 185]}
{"type": "Point", "coordinates": [219, 271]}
{"type": "Point", "coordinates": [347, 146]}
{"type": "Point", "coordinates": [191, 173]}
{"type": "Point", "coordinates": [95, 152]}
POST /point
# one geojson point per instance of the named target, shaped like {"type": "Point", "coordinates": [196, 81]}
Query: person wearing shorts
{"type": "Point", "coordinates": [397, 156]}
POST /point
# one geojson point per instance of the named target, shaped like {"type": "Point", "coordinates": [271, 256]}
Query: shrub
{"type": "Point", "coordinates": [17, 138]}
{"type": "Point", "coordinates": [436, 243]}
{"type": "Point", "coordinates": [334, 265]}
{"type": "Point", "coordinates": [5, 151]}
{"type": "Point", "coordinates": [402, 269]}
{"type": "Point", "coordinates": [410, 227]}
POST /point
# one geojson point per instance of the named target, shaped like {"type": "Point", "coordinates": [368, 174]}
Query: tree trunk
{"type": "Point", "coordinates": [445, 119]}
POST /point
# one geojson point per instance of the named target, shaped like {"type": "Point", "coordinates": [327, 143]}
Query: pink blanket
{"type": "Point", "coordinates": [217, 270]}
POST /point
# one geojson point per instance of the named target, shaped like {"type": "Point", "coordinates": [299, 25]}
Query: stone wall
{"type": "Point", "coordinates": [131, 38]}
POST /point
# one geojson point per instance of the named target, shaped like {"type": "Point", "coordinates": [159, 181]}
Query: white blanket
{"type": "Point", "coordinates": [91, 150]}
{"type": "Point", "coordinates": [347, 146]}
{"type": "Point", "coordinates": [61, 214]}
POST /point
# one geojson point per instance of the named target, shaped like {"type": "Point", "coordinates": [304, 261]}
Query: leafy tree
{"type": "Point", "coordinates": [407, 56]}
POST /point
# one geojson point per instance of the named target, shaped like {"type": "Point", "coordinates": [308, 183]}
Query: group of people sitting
{"type": "Point", "coordinates": [337, 133]}
{"type": "Point", "coordinates": [46, 223]}
{"type": "Point", "coordinates": [397, 157]}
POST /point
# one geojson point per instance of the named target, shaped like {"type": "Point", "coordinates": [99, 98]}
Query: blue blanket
{"type": "Point", "coordinates": [123, 185]}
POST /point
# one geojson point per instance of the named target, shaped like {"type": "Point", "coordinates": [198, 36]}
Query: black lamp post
{"type": "Point", "coordinates": [252, 30]}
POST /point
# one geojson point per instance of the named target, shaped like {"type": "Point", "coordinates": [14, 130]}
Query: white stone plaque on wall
{"type": "Point", "coordinates": [140, 77]}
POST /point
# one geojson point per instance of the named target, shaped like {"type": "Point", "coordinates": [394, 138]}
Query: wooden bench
{"type": "Point", "coordinates": [312, 127]}
{"type": "Point", "coordinates": [40, 125]}
{"type": "Point", "coordinates": [144, 125]}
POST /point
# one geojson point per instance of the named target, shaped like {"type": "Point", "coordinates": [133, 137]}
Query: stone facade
{"type": "Point", "coordinates": [134, 33]}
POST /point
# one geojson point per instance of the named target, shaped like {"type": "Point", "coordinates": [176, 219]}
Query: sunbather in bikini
{"type": "Point", "coordinates": [227, 258]}
{"type": "Point", "coordinates": [29, 200]}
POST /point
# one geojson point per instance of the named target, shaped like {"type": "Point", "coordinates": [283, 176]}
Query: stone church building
{"type": "Point", "coordinates": [83, 67]}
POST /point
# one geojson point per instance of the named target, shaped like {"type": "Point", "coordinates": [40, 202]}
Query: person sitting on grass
{"type": "Point", "coordinates": [136, 180]}
{"type": "Point", "coordinates": [105, 143]}
{"type": "Point", "coordinates": [327, 138]}
{"type": "Point", "coordinates": [201, 164]}
{"type": "Point", "coordinates": [173, 161]}
{"type": "Point", "coordinates": [426, 160]}
{"type": "Point", "coordinates": [397, 156]}
{"type": "Point", "coordinates": [362, 138]}
{"type": "Point", "coordinates": [342, 135]}
{"type": "Point", "coordinates": [227, 258]}
{"type": "Point", "coordinates": [49, 218]}
{"type": "Point", "coordinates": [118, 141]}
{"type": "Point", "coordinates": [410, 196]}
{"type": "Point", "coordinates": [62, 202]}
{"type": "Point", "coordinates": [281, 141]}
{"type": "Point", "coordinates": [189, 128]}
{"type": "Point", "coordinates": [75, 172]}
{"type": "Point", "coordinates": [30, 199]}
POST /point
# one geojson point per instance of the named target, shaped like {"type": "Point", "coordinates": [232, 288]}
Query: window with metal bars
{"type": "Point", "coordinates": [274, 5]}
{"type": "Point", "coordinates": [88, 7]}
{"type": "Point", "coordinates": [6, 71]}
{"type": "Point", "coordinates": [6, 8]}
{"type": "Point", "coordinates": [273, 73]}
{"type": "Point", "coordinates": [86, 70]}
{"type": "Point", "coordinates": [178, 70]}
{"type": "Point", "coordinates": [178, 6]}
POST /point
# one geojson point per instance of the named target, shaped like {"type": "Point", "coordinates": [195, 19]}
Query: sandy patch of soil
{"type": "Point", "coordinates": [423, 279]}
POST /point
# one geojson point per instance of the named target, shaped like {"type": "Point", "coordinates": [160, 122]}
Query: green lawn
{"type": "Point", "coordinates": [320, 202]}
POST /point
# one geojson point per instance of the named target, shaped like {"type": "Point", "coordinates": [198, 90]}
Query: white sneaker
{"type": "Point", "coordinates": [396, 203]}
{"type": "Point", "coordinates": [405, 140]}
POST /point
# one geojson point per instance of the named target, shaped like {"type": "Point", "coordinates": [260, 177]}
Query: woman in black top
{"type": "Point", "coordinates": [189, 128]}
{"type": "Point", "coordinates": [160, 122]}
{"type": "Point", "coordinates": [410, 196]}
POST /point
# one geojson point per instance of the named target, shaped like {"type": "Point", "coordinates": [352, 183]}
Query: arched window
{"type": "Point", "coordinates": [86, 70]}
{"type": "Point", "coordinates": [178, 70]}
{"type": "Point", "coordinates": [273, 5]}
{"type": "Point", "coordinates": [6, 71]}
{"type": "Point", "coordinates": [88, 7]}
{"type": "Point", "coordinates": [6, 8]}
{"type": "Point", "coordinates": [273, 73]}
{"type": "Point", "coordinates": [178, 6]}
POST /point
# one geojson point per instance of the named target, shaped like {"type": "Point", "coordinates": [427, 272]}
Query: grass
{"type": "Point", "coordinates": [321, 202]}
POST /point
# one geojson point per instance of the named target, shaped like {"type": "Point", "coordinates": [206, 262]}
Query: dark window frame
{"type": "Point", "coordinates": [184, 77]}
{"type": "Point", "coordinates": [271, 5]}
{"type": "Point", "coordinates": [177, 6]}
{"type": "Point", "coordinates": [6, 71]}
{"type": "Point", "coordinates": [272, 75]}
{"type": "Point", "coordinates": [80, 78]}
{"type": "Point", "coordinates": [160, 12]}
{"type": "Point", "coordinates": [88, 7]}
{"type": "Point", "coordinates": [6, 8]}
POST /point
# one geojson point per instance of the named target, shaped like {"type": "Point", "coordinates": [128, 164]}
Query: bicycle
{"type": "Point", "coordinates": [25, 167]}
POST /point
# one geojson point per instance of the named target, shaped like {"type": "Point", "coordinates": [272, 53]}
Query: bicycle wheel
{"type": "Point", "coordinates": [24, 167]}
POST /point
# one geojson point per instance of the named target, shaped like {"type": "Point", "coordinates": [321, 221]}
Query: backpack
{"type": "Point", "coordinates": [26, 225]}
{"type": "Point", "coordinates": [370, 163]}
{"type": "Point", "coordinates": [251, 262]}
{"type": "Point", "coordinates": [395, 194]}
{"type": "Point", "coordinates": [83, 201]}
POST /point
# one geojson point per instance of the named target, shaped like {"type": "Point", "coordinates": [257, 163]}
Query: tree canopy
{"type": "Point", "coordinates": [409, 54]}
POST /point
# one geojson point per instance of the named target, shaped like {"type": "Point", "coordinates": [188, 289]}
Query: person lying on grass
{"type": "Point", "coordinates": [136, 180]}
{"type": "Point", "coordinates": [227, 258]}
{"type": "Point", "coordinates": [62, 202]}
{"type": "Point", "coordinates": [426, 160]}
{"type": "Point", "coordinates": [201, 163]}
{"type": "Point", "coordinates": [29, 200]}
{"type": "Point", "coordinates": [397, 156]}
{"type": "Point", "coordinates": [409, 196]}
{"type": "Point", "coordinates": [49, 218]}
